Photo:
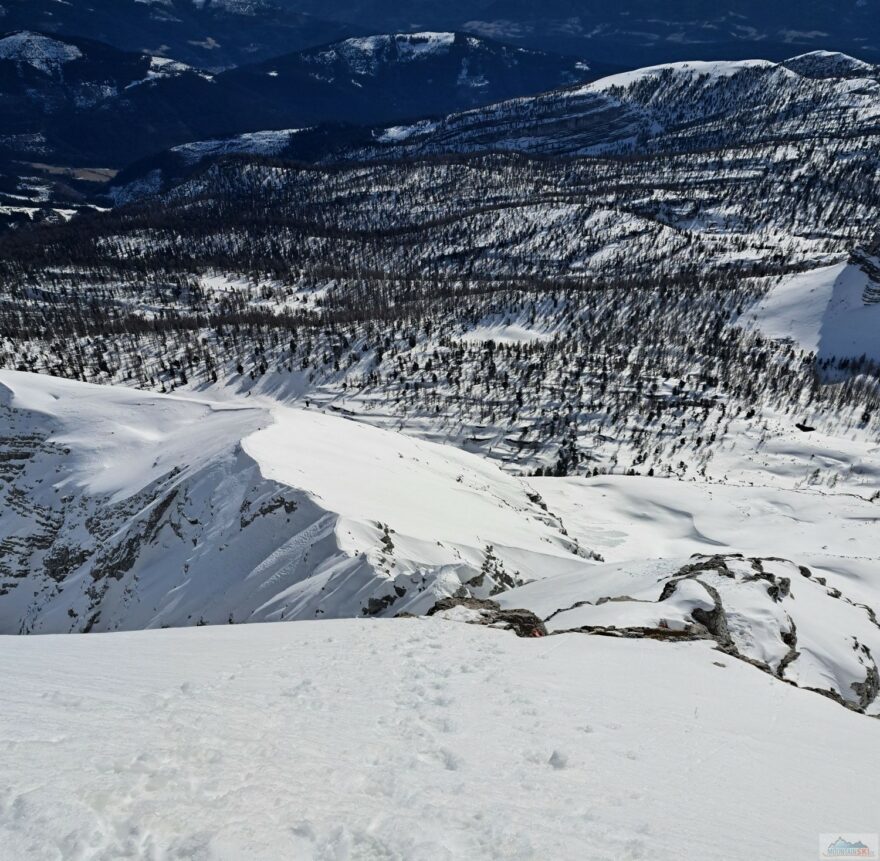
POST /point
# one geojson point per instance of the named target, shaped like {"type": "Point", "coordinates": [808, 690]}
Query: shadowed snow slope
{"type": "Point", "coordinates": [126, 510]}
{"type": "Point", "coordinates": [335, 739]}
{"type": "Point", "coordinates": [832, 312]}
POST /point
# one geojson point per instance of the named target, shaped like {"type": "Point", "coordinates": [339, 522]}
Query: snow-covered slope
{"type": "Point", "coordinates": [126, 510]}
{"type": "Point", "coordinates": [416, 739]}
{"type": "Point", "coordinates": [394, 77]}
{"type": "Point", "coordinates": [673, 108]}
{"type": "Point", "coordinates": [833, 311]}
{"type": "Point", "coordinates": [830, 64]}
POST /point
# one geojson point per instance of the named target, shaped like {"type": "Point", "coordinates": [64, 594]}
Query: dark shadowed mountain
{"type": "Point", "coordinates": [78, 102]}
{"type": "Point", "coordinates": [637, 32]}
{"type": "Point", "coordinates": [211, 34]}
{"type": "Point", "coordinates": [398, 76]}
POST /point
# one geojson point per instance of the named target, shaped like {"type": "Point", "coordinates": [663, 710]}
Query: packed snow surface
{"type": "Point", "coordinates": [416, 739]}
{"type": "Point", "coordinates": [637, 517]}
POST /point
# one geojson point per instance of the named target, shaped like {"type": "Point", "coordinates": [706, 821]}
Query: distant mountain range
{"type": "Point", "coordinates": [640, 32]}
{"type": "Point", "coordinates": [81, 102]}
{"type": "Point", "coordinates": [212, 34]}
{"type": "Point", "coordinates": [221, 33]}
{"type": "Point", "coordinates": [681, 107]}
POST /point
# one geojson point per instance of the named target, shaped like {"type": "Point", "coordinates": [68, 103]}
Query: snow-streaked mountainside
{"type": "Point", "coordinates": [416, 738]}
{"type": "Point", "coordinates": [82, 103]}
{"type": "Point", "coordinates": [668, 108]}
{"type": "Point", "coordinates": [59, 94]}
{"type": "Point", "coordinates": [125, 510]}
{"type": "Point", "coordinates": [74, 65]}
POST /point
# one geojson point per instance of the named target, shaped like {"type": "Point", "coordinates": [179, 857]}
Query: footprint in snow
{"type": "Point", "coordinates": [558, 760]}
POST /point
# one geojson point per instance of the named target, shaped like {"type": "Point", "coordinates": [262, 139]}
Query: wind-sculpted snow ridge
{"type": "Point", "coordinates": [772, 613]}
{"type": "Point", "coordinates": [123, 510]}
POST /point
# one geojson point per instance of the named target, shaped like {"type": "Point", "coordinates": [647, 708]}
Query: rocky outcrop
{"type": "Point", "coordinates": [769, 612]}
{"type": "Point", "coordinates": [479, 611]}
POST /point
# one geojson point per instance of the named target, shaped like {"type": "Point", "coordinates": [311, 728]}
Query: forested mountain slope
{"type": "Point", "coordinates": [571, 315]}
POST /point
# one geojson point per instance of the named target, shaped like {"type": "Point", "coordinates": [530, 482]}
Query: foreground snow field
{"type": "Point", "coordinates": [416, 739]}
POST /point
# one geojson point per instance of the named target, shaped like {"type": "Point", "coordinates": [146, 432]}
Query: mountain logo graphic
{"type": "Point", "coordinates": [851, 846]}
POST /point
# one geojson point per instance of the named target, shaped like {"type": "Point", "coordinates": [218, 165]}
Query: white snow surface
{"type": "Point", "coordinates": [637, 517]}
{"type": "Point", "coordinates": [34, 49]}
{"type": "Point", "coordinates": [774, 613]}
{"type": "Point", "coordinates": [710, 70]}
{"type": "Point", "coordinates": [823, 311]}
{"type": "Point", "coordinates": [416, 739]}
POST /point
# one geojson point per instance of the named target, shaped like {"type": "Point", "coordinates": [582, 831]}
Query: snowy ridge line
{"type": "Point", "coordinates": [126, 510]}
